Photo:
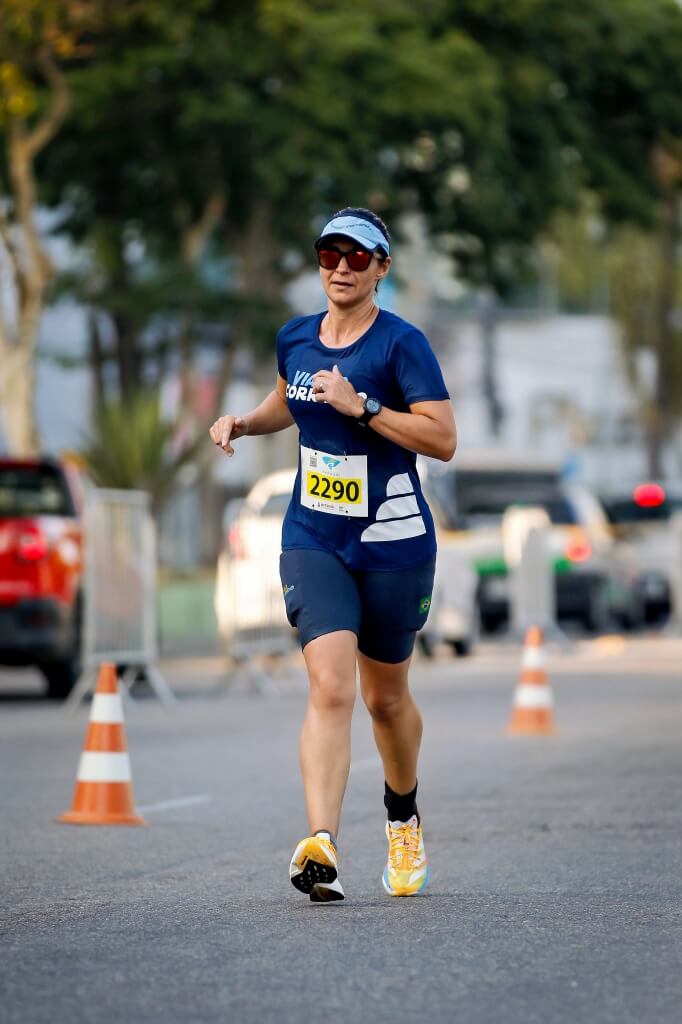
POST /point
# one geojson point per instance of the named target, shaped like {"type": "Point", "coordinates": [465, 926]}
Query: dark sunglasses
{"type": "Point", "coordinates": [329, 257]}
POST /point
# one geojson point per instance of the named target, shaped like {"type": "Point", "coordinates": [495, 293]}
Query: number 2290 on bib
{"type": "Point", "coordinates": [336, 484]}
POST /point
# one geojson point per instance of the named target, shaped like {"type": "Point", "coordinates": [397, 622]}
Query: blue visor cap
{"type": "Point", "coordinates": [362, 231]}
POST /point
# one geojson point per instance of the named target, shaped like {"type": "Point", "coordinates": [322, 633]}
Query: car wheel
{"type": "Point", "coordinates": [595, 617]}
{"type": "Point", "coordinates": [635, 615]}
{"type": "Point", "coordinates": [492, 622]}
{"type": "Point", "coordinates": [427, 645]}
{"type": "Point", "coordinates": [462, 648]}
{"type": "Point", "coordinates": [62, 674]}
{"type": "Point", "coordinates": [61, 677]}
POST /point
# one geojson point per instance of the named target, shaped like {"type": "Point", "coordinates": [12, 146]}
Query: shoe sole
{"type": "Point", "coordinates": [307, 873]}
{"type": "Point", "coordinates": [393, 892]}
{"type": "Point", "coordinates": [322, 893]}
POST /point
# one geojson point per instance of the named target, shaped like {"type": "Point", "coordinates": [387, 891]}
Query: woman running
{"type": "Point", "coordinates": [358, 543]}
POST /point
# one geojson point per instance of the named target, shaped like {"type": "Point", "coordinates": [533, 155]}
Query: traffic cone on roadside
{"type": "Point", "coordinates": [533, 708]}
{"type": "Point", "coordinates": [104, 789]}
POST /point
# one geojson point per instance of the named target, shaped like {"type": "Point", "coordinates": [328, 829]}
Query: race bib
{"type": "Point", "coordinates": [336, 484]}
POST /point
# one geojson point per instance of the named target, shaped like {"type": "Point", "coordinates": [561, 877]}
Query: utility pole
{"type": "Point", "coordinates": [488, 322]}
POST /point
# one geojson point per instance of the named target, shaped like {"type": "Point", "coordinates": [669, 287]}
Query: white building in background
{"type": "Point", "coordinates": [560, 379]}
{"type": "Point", "coordinates": [563, 391]}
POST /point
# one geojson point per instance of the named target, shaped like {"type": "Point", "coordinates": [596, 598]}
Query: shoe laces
{"type": "Point", "coordinates": [403, 846]}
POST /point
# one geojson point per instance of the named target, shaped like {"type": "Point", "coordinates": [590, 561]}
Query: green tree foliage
{"type": "Point", "coordinates": [587, 91]}
{"type": "Point", "coordinates": [634, 278]}
{"type": "Point", "coordinates": [207, 142]}
{"type": "Point", "coordinates": [591, 101]}
{"type": "Point", "coordinates": [633, 273]}
{"type": "Point", "coordinates": [227, 132]}
{"type": "Point", "coordinates": [132, 446]}
{"type": "Point", "coordinates": [486, 115]}
{"type": "Point", "coordinates": [575, 256]}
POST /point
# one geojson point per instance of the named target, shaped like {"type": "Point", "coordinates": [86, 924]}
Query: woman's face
{"type": "Point", "coordinates": [345, 287]}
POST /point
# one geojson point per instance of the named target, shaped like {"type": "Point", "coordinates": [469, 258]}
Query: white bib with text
{"type": "Point", "coordinates": [336, 484]}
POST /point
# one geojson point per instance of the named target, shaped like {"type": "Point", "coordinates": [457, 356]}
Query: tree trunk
{"type": "Point", "coordinates": [489, 387]}
{"type": "Point", "coordinates": [668, 168]}
{"type": "Point", "coordinates": [194, 238]}
{"type": "Point", "coordinates": [17, 382]}
{"type": "Point", "coordinates": [127, 356]}
{"type": "Point", "coordinates": [96, 357]}
{"type": "Point", "coordinates": [30, 265]}
{"type": "Point", "coordinates": [256, 247]}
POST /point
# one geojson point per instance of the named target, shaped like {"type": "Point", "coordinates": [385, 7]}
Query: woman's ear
{"type": "Point", "coordinates": [384, 268]}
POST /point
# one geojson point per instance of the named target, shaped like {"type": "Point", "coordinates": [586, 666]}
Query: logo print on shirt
{"type": "Point", "coordinates": [302, 387]}
{"type": "Point", "coordinates": [397, 518]}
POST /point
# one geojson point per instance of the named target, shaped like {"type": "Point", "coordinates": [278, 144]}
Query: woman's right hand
{"type": "Point", "coordinates": [226, 429]}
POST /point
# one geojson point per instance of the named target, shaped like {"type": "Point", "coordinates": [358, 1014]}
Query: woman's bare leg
{"type": "Point", "coordinates": [325, 736]}
{"type": "Point", "coordinates": [396, 721]}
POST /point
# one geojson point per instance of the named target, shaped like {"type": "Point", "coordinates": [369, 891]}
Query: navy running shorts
{"type": "Point", "coordinates": [384, 609]}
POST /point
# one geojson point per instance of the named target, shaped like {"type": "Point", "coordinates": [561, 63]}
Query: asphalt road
{"type": "Point", "coordinates": [556, 864]}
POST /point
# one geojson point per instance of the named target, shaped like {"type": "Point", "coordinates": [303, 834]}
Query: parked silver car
{"type": "Point", "coordinates": [248, 594]}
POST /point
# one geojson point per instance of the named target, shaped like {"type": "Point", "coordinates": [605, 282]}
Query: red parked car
{"type": "Point", "coordinates": [41, 569]}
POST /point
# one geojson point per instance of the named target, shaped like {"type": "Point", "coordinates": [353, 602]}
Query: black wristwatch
{"type": "Point", "coordinates": [372, 406]}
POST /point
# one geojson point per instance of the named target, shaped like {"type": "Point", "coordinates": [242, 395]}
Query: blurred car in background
{"type": "Point", "coordinates": [595, 580]}
{"type": "Point", "coordinates": [248, 600]}
{"type": "Point", "coordinates": [640, 519]}
{"type": "Point", "coordinates": [454, 616]}
{"type": "Point", "coordinates": [41, 569]}
{"type": "Point", "coordinates": [249, 606]}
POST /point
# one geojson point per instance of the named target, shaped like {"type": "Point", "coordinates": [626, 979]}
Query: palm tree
{"type": "Point", "coordinates": [132, 446]}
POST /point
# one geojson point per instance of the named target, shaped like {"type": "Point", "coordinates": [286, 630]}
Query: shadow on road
{"type": "Point", "coordinates": [21, 697]}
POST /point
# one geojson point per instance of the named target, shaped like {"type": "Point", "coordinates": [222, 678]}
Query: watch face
{"type": "Point", "coordinates": [373, 406]}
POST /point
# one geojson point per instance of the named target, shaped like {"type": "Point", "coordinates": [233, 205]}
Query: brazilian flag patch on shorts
{"type": "Point", "coordinates": [424, 605]}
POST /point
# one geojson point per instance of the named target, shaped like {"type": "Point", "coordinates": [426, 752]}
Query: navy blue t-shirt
{"type": "Point", "coordinates": [393, 362]}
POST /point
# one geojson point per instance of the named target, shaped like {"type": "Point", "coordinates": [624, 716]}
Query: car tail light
{"type": "Point", "coordinates": [578, 549]}
{"type": "Point", "coordinates": [31, 544]}
{"type": "Point", "coordinates": [235, 541]}
{"type": "Point", "coordinates": [648, 495]}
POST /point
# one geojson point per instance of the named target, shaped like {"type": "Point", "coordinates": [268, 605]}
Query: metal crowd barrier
{"type": "Point", "coordinates": [526, 536]}
{"type": "Point", "coordinates": [251, 614]}
{"type": "Point", "coordinates": [119, 615]}
{"type": "Point", "coordinates": [533, 585]}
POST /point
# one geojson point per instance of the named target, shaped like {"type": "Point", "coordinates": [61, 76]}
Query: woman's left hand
{"type": "Point", "coordinates": [332, 387]}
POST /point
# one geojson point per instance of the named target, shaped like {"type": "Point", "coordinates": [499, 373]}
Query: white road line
{"type": "Point", "coordinates": [183, 801]}
{"type": "Point", "coordinates": [365, 764]}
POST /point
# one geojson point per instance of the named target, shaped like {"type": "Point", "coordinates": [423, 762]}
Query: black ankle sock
{"type": "Point", "coordinates": [400, 808]}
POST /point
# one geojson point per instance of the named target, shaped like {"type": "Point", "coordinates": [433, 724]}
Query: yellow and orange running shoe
{"type": "Point", "coordinates": [314, 869]}
{"type": "Point", "coordinates": [407, 870]}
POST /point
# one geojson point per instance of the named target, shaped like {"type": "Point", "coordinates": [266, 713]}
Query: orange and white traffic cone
{"type": "Point", "coordinates": [104, 788]}
{"type": "Point", "coordinates": [533, 709]}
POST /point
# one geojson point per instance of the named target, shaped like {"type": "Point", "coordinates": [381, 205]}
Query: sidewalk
{"type": "Point", "coordinates": [610, 653]}
{"type": "Point", "coordinates": [192, 675]}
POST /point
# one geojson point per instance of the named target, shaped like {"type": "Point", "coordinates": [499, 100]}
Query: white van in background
{"type": "Point", "coordinates": [596, 579]}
